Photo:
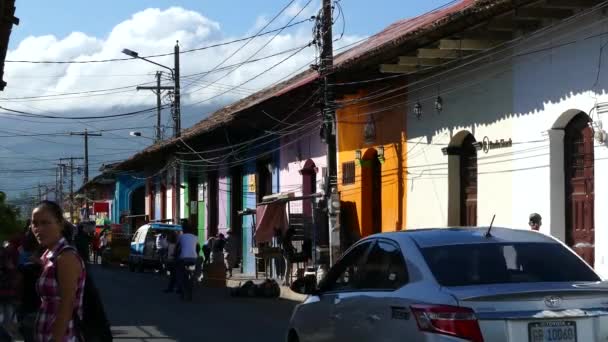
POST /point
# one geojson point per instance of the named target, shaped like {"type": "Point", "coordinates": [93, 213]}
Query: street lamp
{"type": "Point", "coordinates": [139, 135]}
{"type": "Point", "coordinates": [176, 108]}
{"type": "Point", "coordinates": [174, 75]}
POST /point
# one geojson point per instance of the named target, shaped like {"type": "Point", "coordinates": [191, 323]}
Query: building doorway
{"type": "Point", "coordinates": [213, 205]}
{"type": "Point", "coordinates": [264, 179]}
{"type": "Point", "coordinates": [579, 187]}
{"type": "Point", "coordinates": [371, 193]}
{"type": "Point", "coordinates": [309, 186]}
{"type": "Point", "coordinates": [468, 182]}
{"type": "Point", "coordinates": [138, 207]}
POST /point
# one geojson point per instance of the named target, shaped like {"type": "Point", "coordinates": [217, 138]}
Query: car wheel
{"type": "Point", "coordinates": [293, 337]}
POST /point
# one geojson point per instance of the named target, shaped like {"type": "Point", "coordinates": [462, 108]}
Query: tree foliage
{"type": "Point", "coordinates": [10, 222]}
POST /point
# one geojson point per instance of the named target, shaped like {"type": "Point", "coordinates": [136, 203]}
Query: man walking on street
{"type": "Point", "coordinates": [187, 245]}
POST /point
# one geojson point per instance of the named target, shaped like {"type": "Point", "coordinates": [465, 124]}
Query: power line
{"type": "Point", "coordinates": [247, 41]}
{"type": "Point", "coordinates": [31, 115]}
{"type": "Point", "coordinates": [258, 50]}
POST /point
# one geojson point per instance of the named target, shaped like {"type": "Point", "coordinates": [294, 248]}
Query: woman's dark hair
{"type": "Point", "coordinates": [53, 208]}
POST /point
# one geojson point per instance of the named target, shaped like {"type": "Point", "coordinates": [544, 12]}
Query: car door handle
{"type": "Point", "coordinates": [373, 318]}
{"type": "Point", "coordinates": [336, 316]}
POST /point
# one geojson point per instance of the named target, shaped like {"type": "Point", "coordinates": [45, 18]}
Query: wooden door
{"type": "Point", "coordinates": [580, 194]}
{"type": "Point", "coordinates": [371, 194]}
{"type": "Point", "coordinates": [309, 186]}
{"type": "Point", "coordinates": [468, 182]}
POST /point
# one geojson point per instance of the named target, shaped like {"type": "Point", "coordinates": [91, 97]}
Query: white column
{"type": "Point", "coordinates": [557, 223]}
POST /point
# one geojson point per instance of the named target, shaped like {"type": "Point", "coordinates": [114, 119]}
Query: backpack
{"type": "Point", "coordinates": [94, 325]}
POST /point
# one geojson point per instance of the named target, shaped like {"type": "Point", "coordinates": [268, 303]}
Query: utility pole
{"type": "Point", "coordinates": [329, 127]}
{"type": "Point", "coordinates": [158, 91]}
{"type": "Point", "coordinates": [86, 135]}
{"type": "Point", "coordinates": [71, 167]}
{"type": "Point", "coordinates": [177, 107]}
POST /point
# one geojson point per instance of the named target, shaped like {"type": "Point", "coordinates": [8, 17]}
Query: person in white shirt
{"type": "Point", "coordinates": [187, 253]}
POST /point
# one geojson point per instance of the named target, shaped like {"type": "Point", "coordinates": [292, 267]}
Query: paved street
{"type": "Point", "coordinates": [139, 311]}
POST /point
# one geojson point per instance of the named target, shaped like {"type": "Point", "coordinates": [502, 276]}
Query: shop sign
{"type": "Point", "coordinates": [488, 144]}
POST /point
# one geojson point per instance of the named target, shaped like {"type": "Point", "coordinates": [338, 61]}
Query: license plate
{"type": "Point", "coordinates": [552, 331]}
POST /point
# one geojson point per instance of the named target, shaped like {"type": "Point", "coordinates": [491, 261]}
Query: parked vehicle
{"type": "Point", "coordinates": [456, 284]}
{"type": "Point", "coordinates": [143, 252]}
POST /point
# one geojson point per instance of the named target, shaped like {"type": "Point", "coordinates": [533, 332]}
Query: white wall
{"type": "Point", "coordinates": [521, 98]}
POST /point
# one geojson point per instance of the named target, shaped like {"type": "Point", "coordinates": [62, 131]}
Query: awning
{"type": "Point", "coordinates": [270, 218]}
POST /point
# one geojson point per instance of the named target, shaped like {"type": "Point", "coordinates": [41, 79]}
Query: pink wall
{"type": "Point", "coordinates": [295, 151]}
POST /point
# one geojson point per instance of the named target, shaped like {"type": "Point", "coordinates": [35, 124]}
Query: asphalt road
{"type": "Point", "coordinates": [139, 311]}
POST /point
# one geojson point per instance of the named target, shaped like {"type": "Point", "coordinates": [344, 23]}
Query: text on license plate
{"type": "Point", "coordinates": [552, 331]}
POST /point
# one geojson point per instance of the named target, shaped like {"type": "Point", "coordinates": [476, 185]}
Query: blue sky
{"type": "Point", "coordinates": [84, 29]}
{"type": "Point", "coordinates": [97, 18]}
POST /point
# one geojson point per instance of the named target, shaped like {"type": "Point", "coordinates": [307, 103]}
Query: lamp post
{"type": "Point", "coordinates": [175, 75]}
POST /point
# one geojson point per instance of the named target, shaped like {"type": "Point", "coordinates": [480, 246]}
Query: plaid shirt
{"type": "Point", "coordinates": [48, 289]}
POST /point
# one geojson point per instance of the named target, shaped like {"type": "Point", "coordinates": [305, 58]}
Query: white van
{"type": "Point", "coordinates": [143, 245]}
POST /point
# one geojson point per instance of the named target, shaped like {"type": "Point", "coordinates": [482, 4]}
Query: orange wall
{"type": "Point", "coordinates": [390, 133]}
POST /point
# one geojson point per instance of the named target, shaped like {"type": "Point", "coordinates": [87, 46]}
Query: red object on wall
{"type": "Point", "coordinates": [101, 207]}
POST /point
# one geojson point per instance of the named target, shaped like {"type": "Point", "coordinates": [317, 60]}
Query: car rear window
{"type": "Point", "coordinates": [496, 263]}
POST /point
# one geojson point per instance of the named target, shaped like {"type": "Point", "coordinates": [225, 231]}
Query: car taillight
{"type": "Point", "coordinates": [448, 320]}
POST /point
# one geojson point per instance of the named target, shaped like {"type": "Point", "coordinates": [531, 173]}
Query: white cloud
{"type": "Point", "coordinates": [151, 31]}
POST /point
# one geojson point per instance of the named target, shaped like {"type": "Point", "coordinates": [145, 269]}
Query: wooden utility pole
{"type": "Point", "coordinates": [329, 128]}
{"type": "Point", "coordinates": [71, 167]}
{"type": "Point", "coordinates": [86, 135]}
{"type": "Point", "coordinates": [158, 91]}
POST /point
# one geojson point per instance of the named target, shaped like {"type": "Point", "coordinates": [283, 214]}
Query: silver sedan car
{"type": "Point", "coordinates": [456, 284]}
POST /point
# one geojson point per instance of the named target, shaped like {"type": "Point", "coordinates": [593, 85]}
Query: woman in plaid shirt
{"type": "Point", "coordinates": [62, 281]}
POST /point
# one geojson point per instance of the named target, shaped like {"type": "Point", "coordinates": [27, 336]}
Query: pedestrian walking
{"type": "Point", "coordinates": [161, 249]}
{"type": "Point", "coordinates": [230, 252]}
{"type": "Point", "coordinates": [82, 241]}
{"type": "Point", "coordinates": [61, 293]}
{"type": "Point", "coordinates": [170, 266]}
{"type": "Point", "coordinates": [186, 251]}
{"type": "Point", "coordinates": [535, 221]}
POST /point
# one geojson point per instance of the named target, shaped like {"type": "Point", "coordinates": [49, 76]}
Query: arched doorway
{"type": "Point", "coordinates": [468, 182]}
{"type": "Point", "coordinates": [371, 193]}
{"type": "Point", "coordinates": [309, 185]}
{"type": "Point", "coordinates": [579, 186]}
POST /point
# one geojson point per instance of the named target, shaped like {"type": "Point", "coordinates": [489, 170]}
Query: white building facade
{"type": "Point", "coordinates": [520, 132]}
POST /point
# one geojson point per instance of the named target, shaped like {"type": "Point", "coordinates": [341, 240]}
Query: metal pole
{"type": "Point", "coordinates": [86, 171]}
{"type": "Point", "coordinates": [329, 117]}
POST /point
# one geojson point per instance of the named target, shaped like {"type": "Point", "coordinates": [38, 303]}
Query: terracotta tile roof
{"type": "Point", "coordinates": [393, 37]}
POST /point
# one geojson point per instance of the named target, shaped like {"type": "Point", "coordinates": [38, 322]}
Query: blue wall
{"type": "Point", "coordinates": [125, 184]}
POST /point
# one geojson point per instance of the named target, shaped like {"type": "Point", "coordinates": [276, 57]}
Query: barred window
{"type": "Point", "coordinates": [348, 173]}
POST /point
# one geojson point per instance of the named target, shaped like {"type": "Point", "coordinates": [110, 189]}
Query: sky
{"type": "Point", "coordinates": [76, 30]}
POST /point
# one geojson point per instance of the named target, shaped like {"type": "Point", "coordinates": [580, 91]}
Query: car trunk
{"type": "Point", "coordinates": [538, 311]}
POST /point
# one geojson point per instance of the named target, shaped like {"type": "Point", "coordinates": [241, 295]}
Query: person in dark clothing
{"type": "Point", "coordinates": [29, 270]}
{"type": "Point", "coordinates": [82, 243]}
